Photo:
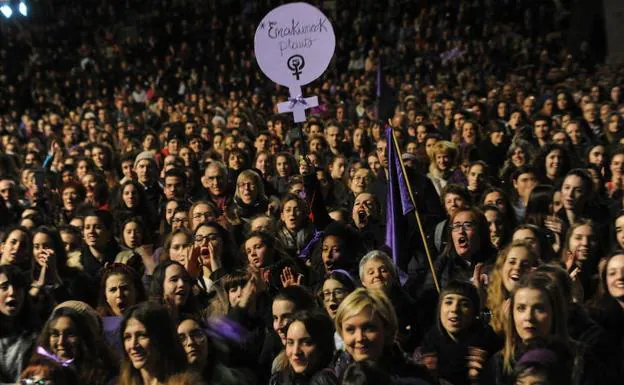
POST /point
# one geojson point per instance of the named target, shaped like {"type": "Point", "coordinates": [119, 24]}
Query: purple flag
{"type": "Point", "coordinates": [398, 204]}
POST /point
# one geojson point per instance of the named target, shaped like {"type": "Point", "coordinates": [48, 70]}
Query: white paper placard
{"type": "Point", "coordinates": [294, 44]}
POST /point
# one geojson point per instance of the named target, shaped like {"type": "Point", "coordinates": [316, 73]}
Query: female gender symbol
{"type": "Point", "coordinates": [294, 44]}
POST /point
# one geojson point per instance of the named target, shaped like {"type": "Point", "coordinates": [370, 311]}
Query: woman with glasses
{"type": "Point", "coordinates": [213, 250]}
{"type": "Point", "coordinates": [470, 244]}
{"type": "Point", "coordinates": [335, 288]}
{"type": "Point", "coordinates": [180, 220]}
{"type": "Point", "coordinates": [204, 357]}
{"type": "Point", "coordinates": [249, 201]}
{"type": "Point", "coordinates": [200, 212]}
{"type": "Point", "coordinates": [69, 338]}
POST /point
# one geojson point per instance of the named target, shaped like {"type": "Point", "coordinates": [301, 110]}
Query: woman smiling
{"type": "Point", "coordinates": [368, 325]}
{"type": "Point", "coordinates": [152, 350]}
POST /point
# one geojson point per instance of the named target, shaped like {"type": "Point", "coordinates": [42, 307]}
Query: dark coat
{"type": "Point", "coordinates": [452, 354]}
{"type": "Point", "coordinates": [323, 377]}
{"type": "Point", "coordinates": [401, 368]}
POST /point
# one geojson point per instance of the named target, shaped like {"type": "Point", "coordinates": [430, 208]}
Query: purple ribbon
{"type": "Point", "coordinates": [225, 328]}
{"type": "Point", "coordinates": [304, 254]}
{"type": "Point", "coordinates": [54, 357]}
{"type": "Point", "coordinates": [298, 100]}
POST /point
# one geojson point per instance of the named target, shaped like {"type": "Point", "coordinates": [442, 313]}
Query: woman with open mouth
{"type": "Point", "coordinates": [249, 200]}
{"type": "Point", "coordinates": [171, 285]}
{"type": "Point", "coordinates": [15, 247]}
{"type": "Point", "coordinates": [19, 324]}
{"type": "Point", "coordinates": [336, 286]}
{"type": "Point", "coordinates": [309, 350]}
{"type": "Point", "coordinates": [338, 248]}
{"type": "Point", "coordinates": [152, 349]}
{"type": "Point", "coordinates": [469, 245]}
{"type": "Point", "coordinates": [512, 264]}
{"type": "Point", "coordinates": [458, 345]}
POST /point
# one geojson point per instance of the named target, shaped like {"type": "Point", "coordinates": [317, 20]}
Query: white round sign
{"type": "Point", "coordinates": [294, 44]}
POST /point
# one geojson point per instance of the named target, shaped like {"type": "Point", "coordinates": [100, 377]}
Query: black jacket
{"type": "Point", "coordinates": [323, 377]}
{"type": "Point", "coordinates": [452, 354]}
{"type": "Point", "coordinates": [401, 368]}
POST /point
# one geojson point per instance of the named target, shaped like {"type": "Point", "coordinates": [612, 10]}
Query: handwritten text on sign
{"type": "Point", "coordinates": [296, 35]}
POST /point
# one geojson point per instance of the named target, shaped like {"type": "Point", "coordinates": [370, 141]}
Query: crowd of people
{"type": "Point", "coordinates": [161, 224]}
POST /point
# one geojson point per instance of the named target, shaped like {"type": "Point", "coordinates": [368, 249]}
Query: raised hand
{"type": "Point", "coordinates": [287, 277]}
{"type": "Point", "coordinates": [248, 295]}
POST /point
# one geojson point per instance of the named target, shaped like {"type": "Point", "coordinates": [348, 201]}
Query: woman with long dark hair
{"type": "Point", "coordinates": [152, 349]}
{"type": "Point", "coordinates": [204, 355]}
{"type": "Point", "coordinates": [552, 163]}
{"type": "Point", "coordinates": [171, 285]}
{"type": "Point", "coordinates": [53, 281]}
{"type": "Point", "coordinates": [607, 308]}
{"type": "Point", "coordinates": [309, 349]}
{"type": "Point", "coordinates": [131, 201]}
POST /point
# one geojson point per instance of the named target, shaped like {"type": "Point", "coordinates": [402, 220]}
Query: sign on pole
{"type": "Point", "coordinates": [294, 44]}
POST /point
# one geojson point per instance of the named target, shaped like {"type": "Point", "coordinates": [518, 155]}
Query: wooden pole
{"type": "Point", "coordinates": [420, 226]}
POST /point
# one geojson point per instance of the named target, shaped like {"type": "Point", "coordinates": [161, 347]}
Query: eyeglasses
{"type": "Point", "coordinates": [465, 226]}
{"type": "Point", "coordinates": [247, 185]}
{"type": "Point", "coordinates": [197, 336]}
{"type": "Point", "coordinates": [32, 381]}
{"type": "Point", "coordinates": [209, 237]}
{"type": "Point", "coordinates": [179, 220]}
{"type": "Point", "coordinates": [326, 295]}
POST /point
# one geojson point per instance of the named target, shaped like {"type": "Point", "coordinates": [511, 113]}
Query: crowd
{"type": "Point", "coordinates": [161, 224]}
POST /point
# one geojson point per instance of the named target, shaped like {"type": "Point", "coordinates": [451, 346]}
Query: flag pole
{"type": "Point", "coordinates": [411, 194]}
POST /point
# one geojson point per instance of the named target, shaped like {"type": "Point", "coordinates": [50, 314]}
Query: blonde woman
{"type": "Point", "coordinates": [515, 261]}
{"type": "Point", "coordinates": [442, 164]}
{"type": "Point", "coordinates": [367, 323]}
{"type": "Point", "coordinates": [538, 312]}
